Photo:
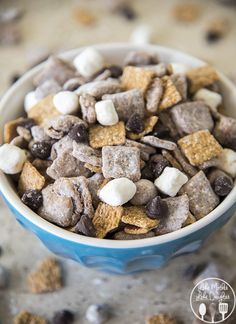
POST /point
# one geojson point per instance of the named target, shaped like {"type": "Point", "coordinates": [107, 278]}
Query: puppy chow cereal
{"type": "Point", "coordinates": [120, 152]}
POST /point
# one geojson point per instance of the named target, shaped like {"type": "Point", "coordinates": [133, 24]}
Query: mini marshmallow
{"type": "Point", "coordinates": [211, 98]}
{"type": "Point", "coordinates": [141, 35]}
{"type": "Point", "coordinates": [66, 102]}
{"type": "Point", "coordinates": [106, 113]}
{"type": "Point", "coordinates": [29, 101]}
{"type": "Point", "coordinates": [170, 181]}
{"type": "Point", "coordinates": [226, 161]}
{"type": "Point", "coordinates": [117, 192]}
{"type": "Point", "coordinates": [89, 62]}
{"type": "Point", "coordinates": [12, 159]}
{"type": "Point", "coordinates": [179, 68]}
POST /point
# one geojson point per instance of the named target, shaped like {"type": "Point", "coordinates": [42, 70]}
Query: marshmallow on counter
{"type": "Point", "coordinates": [211, 98]}
{"type": "Point", "coordinates": [89, 62]}
{"type": "Point", "coordinates": [66, 102]}
{"type": "Point", "coordinates": [178, 68]}
{"type": "Point", "coordinates": [226, 161]}
{"type": "Point", "coordinates": [30, 101]}
{"type": "Point", "coordinates": [170, 181]}
{"type": "Point", "coordinates": [117, 192]}
{"type": "Point", "coordinates": [106, 113]}
{"type": "Point", "coordinates": [141, 35]}
{"type": "Point", "coordinates": [12, 159]}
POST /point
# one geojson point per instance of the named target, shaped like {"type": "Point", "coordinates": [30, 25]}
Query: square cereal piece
{"type": "Point", "coordinates": [161, 319]}
{"type": "Point", "coordinates": [93, 168]}
{"type": "Point", "coordinates": [171, 95]}
{"type": "Point", "coordinates": [130, 229]}
{"type": "Point", "coordinates": [149, 124]}
{"type": "Point", "coordinates": [46, 277]}
{"type": "Point", "coordinates": [136, 216]}
{"type": "Point", "coordinates": [43, 110]}
{"type": "Point", "coordinates": [100, 136]}
{"type": "Point", "coordinates": [202, 199]}
{"type": "Point", "coordinates": [28, 318]}
{"type": "Point", "coordinates": [106, 219]}
{"type": "Point", "coordinates": [121, 161]}
{"type": "Point", "coordinates": [136, 78]}
{"type": "Point", "coordinates": [199, 147]}
{"type": "Point", "coordinates": [10, 131]}
{"type": "Point", "coordinates": [202, 77]}
{"type": "Point", "coordinates": [30, 178]}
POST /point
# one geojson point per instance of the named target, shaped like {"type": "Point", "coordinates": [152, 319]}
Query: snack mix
{"type": "Point", "coordinates": [121, 152]}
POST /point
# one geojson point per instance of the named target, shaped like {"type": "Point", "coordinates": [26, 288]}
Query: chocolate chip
{"type": "Point", "coordinates": [157, 164]}
{"type": "Point", "coordinates": [115, 70]}
{"type": "Point", "coordinates": [85, 226]}
{"type": "Point", "coordinates": [156, 208]}
{"type": "Point", "coordinates": [79, 133]}
{"type": "Point", "coordinates": [33, 199]}
{"type": "Point", "coordinates": [146, 173]}
{"type": "Point", "coordinates": [3, 278]}
{"type": "Point", "coordinates": [194, 270]}
{"type": "Point", "coordinates": [41, 150]}
{"type": "Point", "coordinates": [222, 185]}
{"type": "Point", "coordinates": [135, 124]}
{"type": "Point", "coordinates": [63, 317]}
{"type": "Point", "coordinates": [128, 12]}
{"type": "Point", "coordinates": [213, 36]}
{"type": "Point", "coordinates": [160, 130]}
{"type": "Point", "coordinates": [27, 123]}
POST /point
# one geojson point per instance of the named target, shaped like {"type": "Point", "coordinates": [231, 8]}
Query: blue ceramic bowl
{"type": "Point", "coordinates": [120, 257]}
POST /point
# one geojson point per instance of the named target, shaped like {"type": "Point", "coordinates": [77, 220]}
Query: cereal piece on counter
{"type": "Point", "coordinates": [84, 17]}
{"type": "Point", "coordinates": [121, 161]}
{"type": "Point", "coordinates": [201, 77]}
{"type": "Point", "coordinates": [33, 199]}
{"type": "Point", "coordinates": [136, 78]}
{"type": "Point", "coordinates": [125, 236]}
{"type": "Point", "coordinates": [127, 103]}
{"type": "Point", "coordinates": [106, 113]}
{"type": "Point", "coordinates": [172, 161]}
{"type": "Point", "coordinates": [87, 154]}
{"type": "Point", "coordinates": [153, 95]}
{"type": "Point", "coordinates": [25, 317]}
{"type": "Point", "coordinates": [10, 129]}
{"type": "Point", "coordinates": [106, 219]}
{"type": "Point", "coordinates": [202, 199]}
{"type": "Point", "coordinates": [146, 191]}
{"type": "Point", "coordinates": [130, 229]}
{"type": "Point", "coordinates": [63, 316]}
{"type": "Point", "coordinates": [100, 136]}
{"type": "Point", "coordinates": [149, 124]}
{"type": "Point", "coordinates": [3, 278]}
{"type": "Point", "coordinates": [117, 192]}
{"type": "Point", "coordinates": [48, 87]}
{"type": "Point", "coordinates": [170, 181]}
{"type": "Point", "coordinates": [226, 161]}
{"type": "Point", "coordinates": [87, 104]}
{"type": "Point", "coordinates": [210, 98]}
{"type": "Point", "coordinates": [12, 159]}
{"type": "Point", "coordinates": [93, 168]}
{"type": "Point", "coordinates": [156, 208]}
{"type": "Point", "coordinates": [98, 313]}
{"type": "Point", "coordinates": [187, 167]}
{"type": "Point", "coordinates": [161, 319]}
{"type": "Point", "coordinates": [199, 147]}
{"type": "Point", "coordinates": [30, 101]}
{"type": "Point", "coordinates": [145, 150]}
{"type": "Point", "coordinates": [66, 102]}
{"type": "Point", "coordinates": [221, 182]}
{"type": "Point", "coordinates": [181, 84]}
{"type": "Point", "coordinates": [140, 58]}
{"type": "Point", "coordinates": [30, 179]}
{"type": "Point", "coordinates": [186, 12]}
{"type": "Point", "coordinates": [225, 131]}
{"type": "Point", "coordinates": [99, 88]}
{"type": "Point", "coordinates": [171, 95]}
{"type": "Point", "coordinates": [46, 277]}
{"type": "Point", "coordinates": [56, 69]}
{"type": "Point", "coordinates": [178, 211]}
{"type": "Point", "coordinates": [136, 216]}
{"type": "Point", "coordinates": [88, 62]}
{"type": "Point", "coordinates": [191, 117]}
{"type": "Point", "coordinates": [158, 143]}
{"type": "Point", "coordinates": [43, 110]}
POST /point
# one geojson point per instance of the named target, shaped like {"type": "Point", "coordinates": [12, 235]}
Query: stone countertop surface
{"type": "Point", "coordinates": [49, 26]}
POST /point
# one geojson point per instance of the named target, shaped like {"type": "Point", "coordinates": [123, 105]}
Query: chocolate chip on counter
{"type": "Point", "coordinates": [213, 36]}
{"type": "Point", "coordinates": [115, 70]}
{"type": "Point", "coordinates": [98, 313]}
{"type": "Point", "coordinates": [221, 183]}
{"type": "Point", "coordinates": [79, 133]}
{"type": "Point", "coordinates": [157, 208]}
{"type": "Point", "coordinates": [135, 124]}
{"type": "Point", "coordinates": [128, 12]}
{"type": "Point", "coordinates": [85, 226]}
{"type": "Point", "coordinates": [41, 150]}
{"type": "Point", "coordinates": [157, 164]}
{"type": "Point", "coordinates": [3, 278]}
{"type": "Point", "coordinates": [32, 199]}
{"type": "Point", "coordinates": [160, 130]}
{"type": "Point", "coordinates": [27, 123]}
{"type": "Point", "coordinates": [63, 317]}
{"type": "Point", "coordinates": [192, 271]}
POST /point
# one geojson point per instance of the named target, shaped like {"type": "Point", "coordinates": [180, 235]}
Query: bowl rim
{"type": "Point", "coordinates": [13, 199]}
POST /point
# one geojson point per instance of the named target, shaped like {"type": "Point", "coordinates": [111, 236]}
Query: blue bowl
{"type": "Point", "coordinates": [121, 257]}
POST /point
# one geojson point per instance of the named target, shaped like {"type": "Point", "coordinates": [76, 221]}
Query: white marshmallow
{"type": "Point", "coordinates": [89, 62]}
{"type": "Point", "coordinates": [12, 159]}
{"type": "Point", "coordinates": [141, 35]}
{"type": "Point", "coordinates": [30, 100]}
{"type": "Point", "coordinates": [170, 181]}
{"type": "Point", "coordinates": [179, 68]}
{"type": "Point", "coordinates": [106, 113]}
{"type": "Point", "coordinates": [226, 161]}
{"type": "Point", "coordinates": [66, 102]}
{"type": "Point", "coordinates": [118, 191]}
{"type": "Point", "coordinates": [211, 98]}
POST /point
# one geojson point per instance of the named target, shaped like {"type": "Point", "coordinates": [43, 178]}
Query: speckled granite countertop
{"type": "Point", "coordinates": [48, 26]}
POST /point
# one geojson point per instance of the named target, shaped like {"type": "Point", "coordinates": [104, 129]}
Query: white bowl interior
{"type": "Point", "coordinates": [11, 107]}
